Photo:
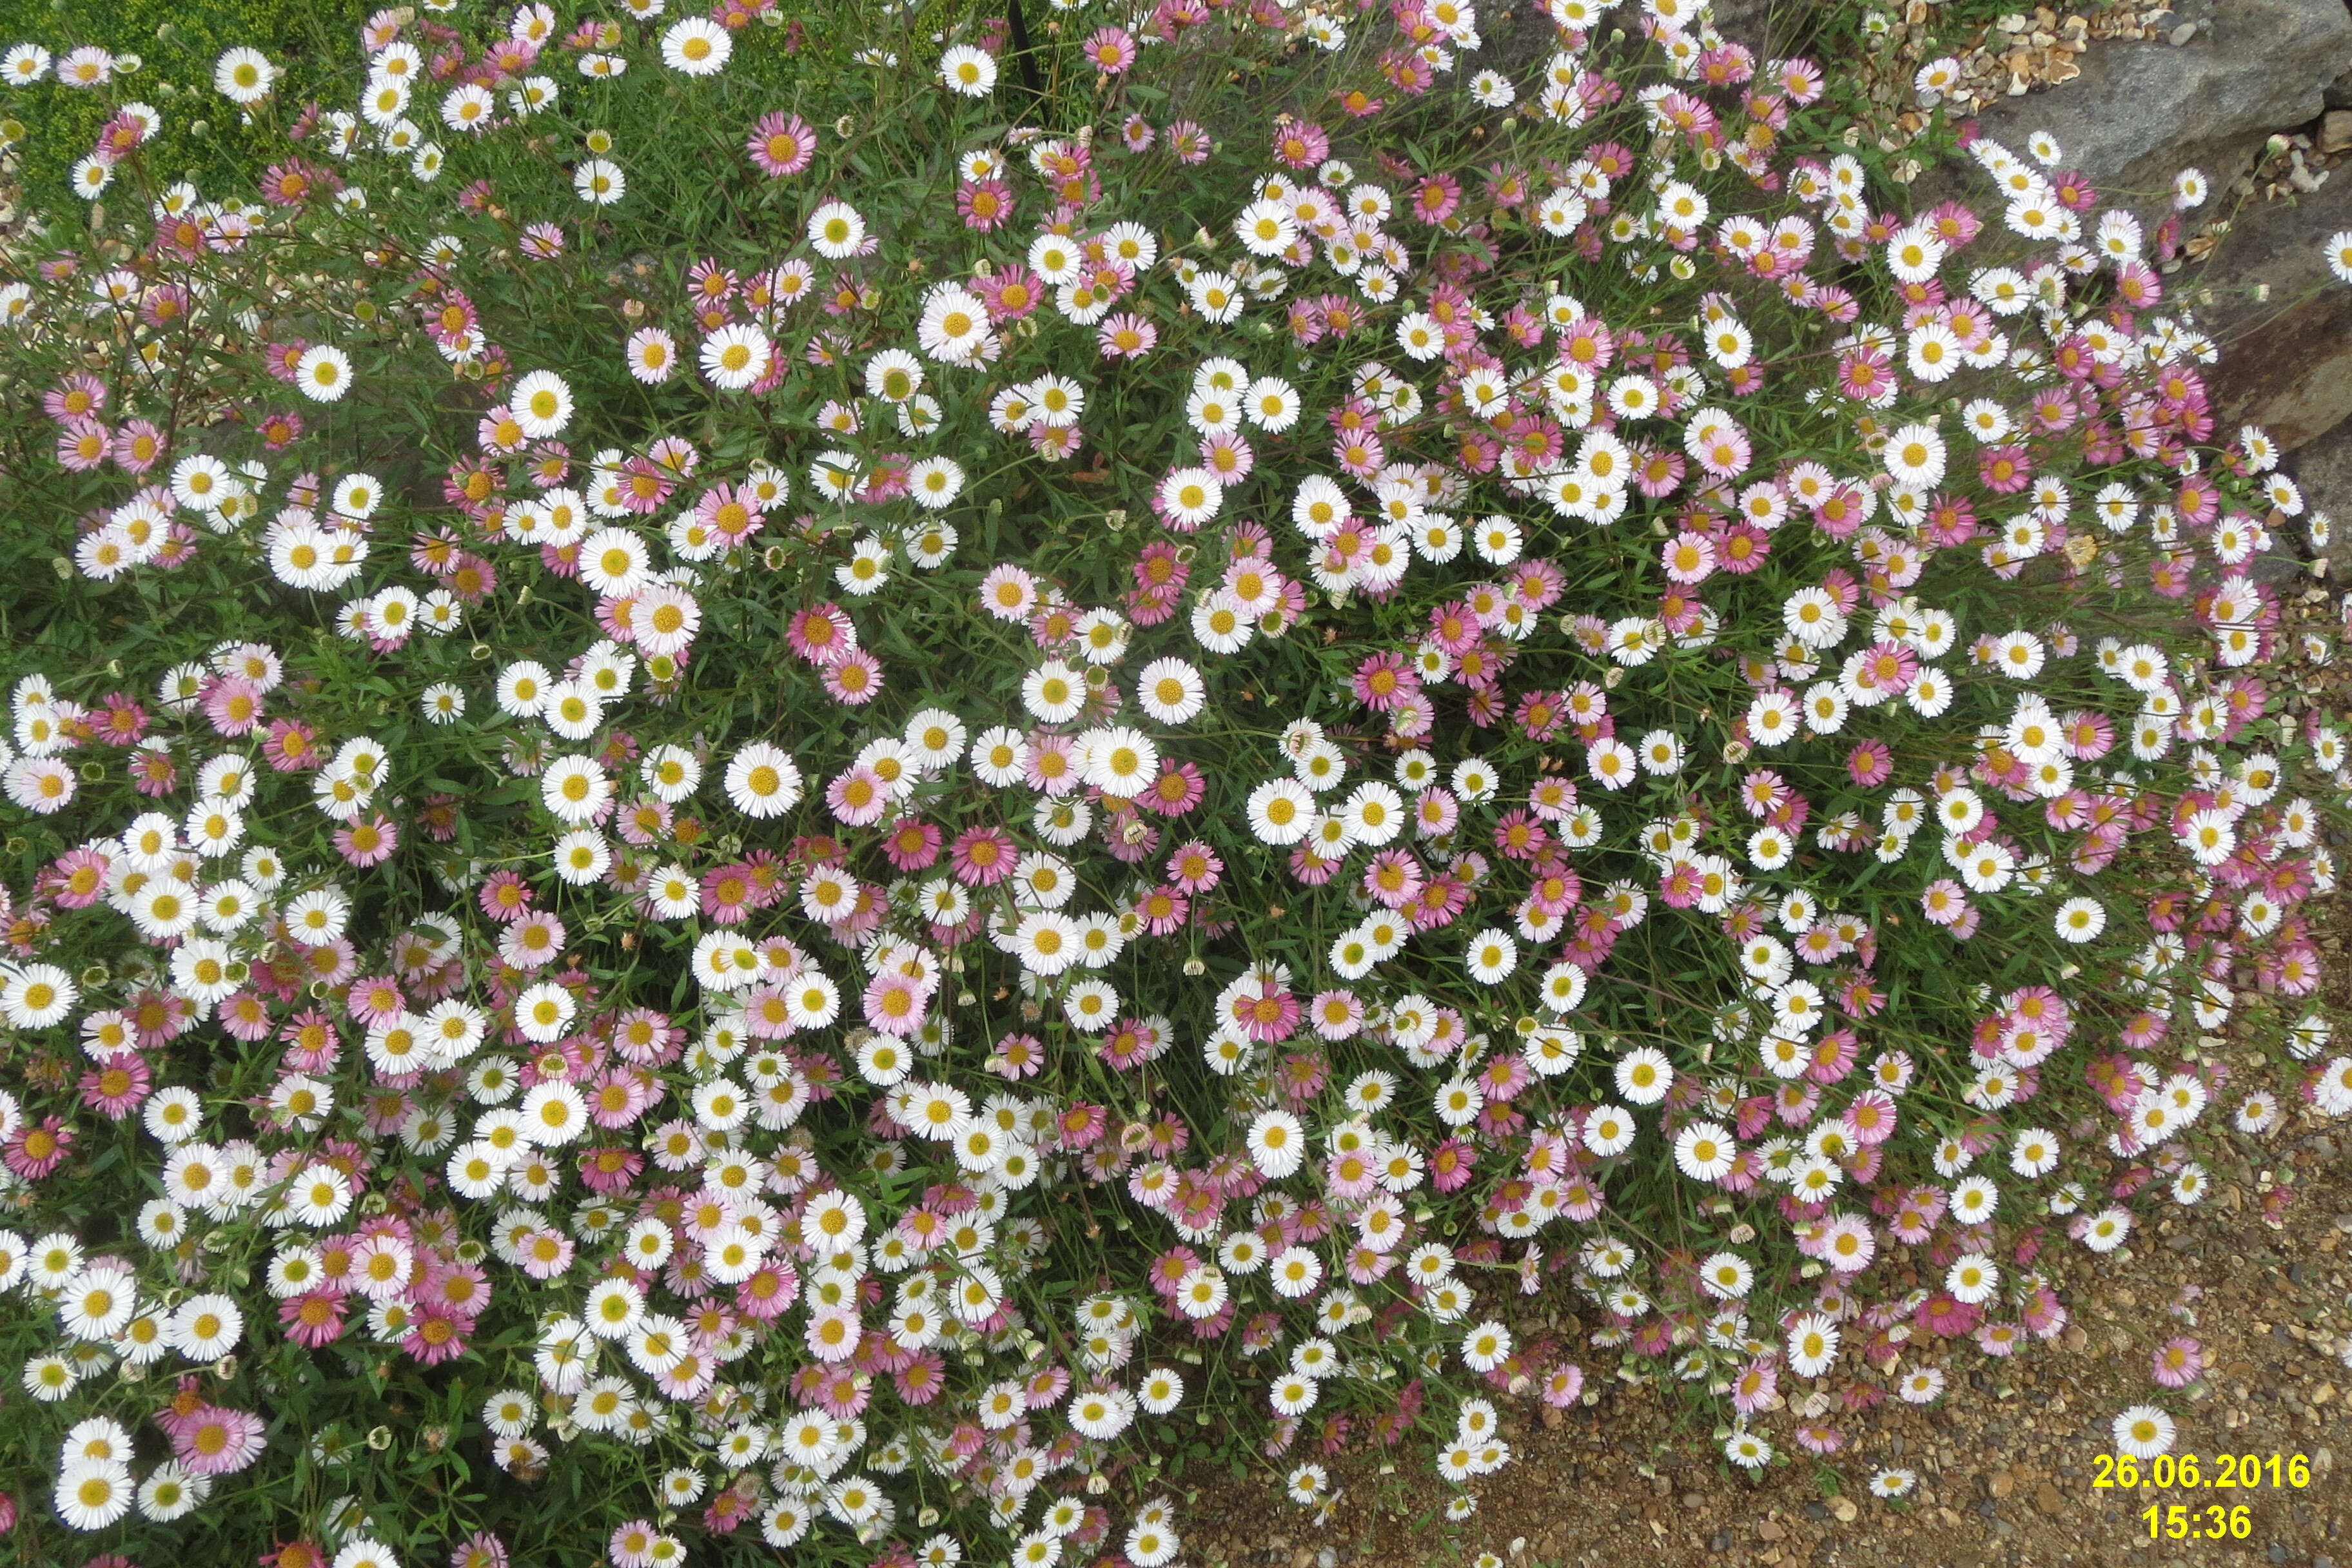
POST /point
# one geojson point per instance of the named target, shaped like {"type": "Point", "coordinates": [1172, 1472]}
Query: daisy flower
{"type": "Point", "coordinates": [762, 780]}
{"type": "Point", "coordinates": [1893, 1483]}
{"type": "Point", "coordinates": [1281, 811]}
{"type": "Point", "coordinates": [1492, 956]}
{"type": "Point", "coordinates": [1127, 335]}
{"type": "Point", "coordinates": [954, 325]}
{"type": "Point", "coordinates": [1055, 691]}
{"type": "Point", "coordinates": [968, 71]}
{"type": "Point", "coordinates": [25, 64]}
{"type": "Point", "coordinates": [1276, 1144]}
{"type": "Point", "coordinates": [1118, 761]}
{"type": "Point", "coordinates": [1190, 497]}
{"type": "Point", "coordinates": [542, 404]}
{"type": "Point", "coordinates": [697, 47]}
{"type": "Point", "coordinates": [324, 374]}
{"type": "Point", "coordinates": [735, 356]}
{"type": "Point", "coordinates": [2144, 1431]}
{"type": "Point", "coordinates": [1170, 692]}
{"type": "Point", "coordinates": [2338, 251]}
{"type": "Point", "coordinates": [781, 145]}
{"type": "Point", "coordinates": [934, 483]}
{"type": "Point", "coordinates": [599, 181]}
{"type": "Point", "coordinates": [92, 1494]}
{"type": "Point", "coordinates": [244, 76]}
{"type": "Point", "coordinates": [36, 995]}
{"type": "Point", "coordinates": [1812, 1344]}
{"type": "Point", "coordinates": [837, 229]}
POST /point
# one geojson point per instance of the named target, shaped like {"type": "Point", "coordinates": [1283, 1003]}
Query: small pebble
{"type": "Point", "coordinates": [2183, 33]}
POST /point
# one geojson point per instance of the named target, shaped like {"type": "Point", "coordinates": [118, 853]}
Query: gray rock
{"type": "Point", "coordinates": [2140, 112]}
{"type": "Point", "coordinates": [2283, 321]}
{"type": "Point", "coordinates": [1746, 20]}
{"type": "Point", "coordinates": [2323, 470]}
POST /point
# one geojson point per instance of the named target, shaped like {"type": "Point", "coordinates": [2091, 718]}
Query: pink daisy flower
{"type": "Point", "coordinates": [546, 1254]}
{"type": "Point", "coordinates": [78, 878]}
{"type": "Point", "coordinates": [772, 1288]}
{"type": "Point", "coordinates": [533, 942]}
{"type": "Point", "coordinates": [985, 204]}
{"type": "Point", "coordinates": [233, 706]}
{"type": "Point", "coordinates": [1126, 336]}
{"type": "Point", "coordinates": [1195, 867]}
{"type": "Point", "coordinates": [895, 1005]}
{"type": "Point", "coordinates": [292, 746]}
{"type": "Point", "coordinates": [1056, 443]}
{"type": "Point", "coordinates": [1300, 143]}
{"type": "Point", "coordinates": [369, 842]}
{"type": "Point", "coordinates": [1871, 764]}
{"type": "Point", "coordinates": [781, 145]}
{"type": "Point", "coordinates": [37, 1148]}
{"type": "Point", "coordinates": [1017, 1056]}
{"type": "Point", "coordinates": [375, 999]}
{"type": "Point", "coordinates": [437, 1335]}
{"type": "Point", "coordinates": [911, 844]}
{"type": "Point", "coordinates": [822, 635]}
{"type": "Point", "coordinates": [117, 1090]}
{"type": "Point", "coordinates": [1110, 51]}
{"type": "Point", "coordinates": [1179, 788]}
{"type": "Point", "coordinates": [139, 445]}
{"type": "Point", "coordinates": [631, 1544]}
{"type": "Point", "coordinates": [79, 396]}
{"type": "Point", "coordinates": [216, 1442]}
{"type": "Point", "coordinates": [82, 444]}
{"type": "Point", "coordinates": [1436, 199]}
{"type": "Point", "coordinates": [856, 681]}
{"type": "Point", "coordinates": [504, 896]}
{"type": "Point", "coordinates": [983, 857]}
{"type": "Point", "coordinates": [2177, 1363]}
{"type": "Point", "coordinates": [315, 1318]}
{"type": "Point", "coordinates": [859, 797]}
{"type": "Point", "coordinates": [731, 510]}
{"type": "Point", "coordinates": [1009, 294]}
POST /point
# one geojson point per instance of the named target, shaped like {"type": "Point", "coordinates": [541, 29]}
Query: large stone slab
{"type": "Point", "coordinates": [2140, 112]}
{"type": "Point", "coordinates": [2283, 318]}
{"type": "Point", "coordinates": [2324, 471]}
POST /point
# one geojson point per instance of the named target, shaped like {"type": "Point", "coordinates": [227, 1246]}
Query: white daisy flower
{"type": "Point", "coordinates": [244, 76]}
{"type": "Point", "coordinates": [968, 71]}
{"type": "Point", "coordinates": [736, 355]}
{"type": "Point", "coordinates": [324, 374]}
{"type": "Point", "coordinates": [697, 47]}
{"type": "Point", "coordinates": [762, 780]}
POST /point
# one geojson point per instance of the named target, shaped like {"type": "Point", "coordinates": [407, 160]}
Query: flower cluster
{"type": "Point", "coordinates": [822, 825]}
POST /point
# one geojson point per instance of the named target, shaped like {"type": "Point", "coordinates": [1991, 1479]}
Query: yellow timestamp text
{"type": "Point", "coordinates": [2218, 1473]}
{"type": "Point", "coordinates": [2179, 1522]}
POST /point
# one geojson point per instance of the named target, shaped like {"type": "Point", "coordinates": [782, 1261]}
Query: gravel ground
{"type": "Point", "coordinates": [2005, 1465]}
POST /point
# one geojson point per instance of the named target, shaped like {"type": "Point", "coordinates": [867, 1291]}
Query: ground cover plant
{"type": "Point", "coordinates": [775, 786]}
